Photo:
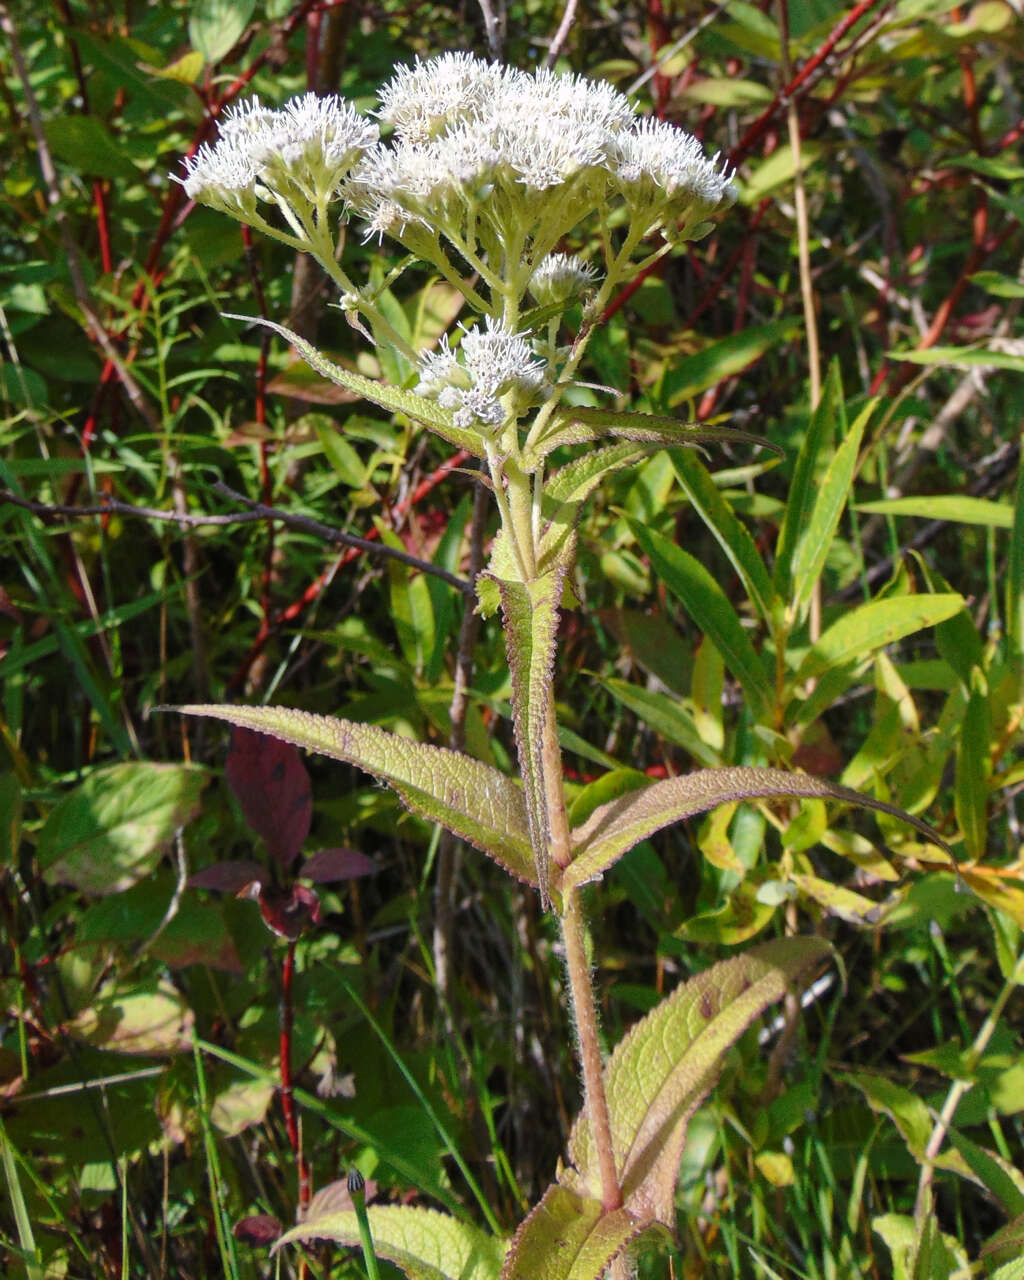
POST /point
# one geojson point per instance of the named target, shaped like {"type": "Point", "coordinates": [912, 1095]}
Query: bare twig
{"type": "Point", "coordinates": [564, 27]}
{"type": "Point", "coordinates": [255, 513]}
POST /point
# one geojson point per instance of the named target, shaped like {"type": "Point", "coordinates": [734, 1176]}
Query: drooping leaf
{"type": "Point", "coordinates": [999, 1177]}
{"type": "Point", "coordinates": [869, 627]}
{"type": "Point", "coordinates": [568, 1236]}
{"type": "Point", "coordinates": [112, 830]}
{"type": "Point", "coordinates": [665, 716]}
{"type": "Point", "coordinates": [710, 608]}
{"type": "Point", "coordinates": [470, 799]}
{"type": "Point", "coordinates": [723, 358]}
{"type": "Point", "coordinates": [617, 826]}
{"type": "Point", "coordinates": [425, 1244]}
{"type": "Point", "coordinates": [531, 625]}
{"type": "Point", "coordinates": [272, 786]}
{"type": "Point", "coordinates": [426, 412]}
{"type": "Point", "coordinates": [660, 1072]}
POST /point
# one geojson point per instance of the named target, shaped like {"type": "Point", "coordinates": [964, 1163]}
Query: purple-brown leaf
{"type": "Point", "coordinates": [227, 877]}
{"type": "Point", "coordinates": [273, 789]}
{"type": "Point", "coordinates": [337, 864]}
{"type": "Point", "coordinates": [260, 1230]}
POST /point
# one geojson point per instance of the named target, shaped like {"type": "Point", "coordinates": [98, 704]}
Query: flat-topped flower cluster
{"type": "Point", "coordinates": [484, 173]}
{"type": "Point", "coordinates": [478, 150]}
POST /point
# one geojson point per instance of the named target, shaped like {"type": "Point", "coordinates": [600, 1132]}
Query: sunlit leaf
{"type": "Point", "coordinates": [471, 799]}
{"type": "Point", "coordinates": [425, 1244]}
{"type": "Point", "coordinates": [660, 1072]}
{"type": "Point", "coordinates": [619, 825]}
{"type": "Point", "coordinates": [427, 412]}
{"type": "Point", "coordinates": [112, 830]}
{"type": "Point", "coordinates": [869, 627]}
{"type": "Point", "coordinates": [568, 1236]}
{"type": "Point", "coordinates": [531, 623]}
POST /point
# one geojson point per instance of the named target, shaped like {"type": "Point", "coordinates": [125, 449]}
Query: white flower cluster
{"type": "Point", "coordinates": [475, 140]}
{"type": "Point", "coordinates": [490, 363]}
{"type": "Point", "coordinates": [482, 154]}
{"type": "Point", "coordinates": [306, 149]}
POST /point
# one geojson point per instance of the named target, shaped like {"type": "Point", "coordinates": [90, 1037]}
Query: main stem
{"type": "Point", "coordinates": [581, 986]}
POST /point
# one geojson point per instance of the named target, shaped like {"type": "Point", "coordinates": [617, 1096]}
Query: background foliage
{"type": "Point", "coordinates": [123, 387]}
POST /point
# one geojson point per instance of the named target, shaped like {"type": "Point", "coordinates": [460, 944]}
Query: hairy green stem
{"type": "Point", "coordinates": [595, 1101]}
{"type": "Point", "coordinates": [581, 985]}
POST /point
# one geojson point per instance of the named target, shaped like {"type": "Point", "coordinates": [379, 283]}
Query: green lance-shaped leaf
{"type": "Point", "coordinates": [708, 605]}
{"type": "Point", "coordinates": [860, 633]}
{"type": "Point", "coordinates": [568, 1236]}
{"type": "Point", "coordinates": [572, 424]}
{"type": "Point", "coordinates": [973, 768]}
{"type": "Point", "coordinates": [956, 508]}
{"type": "Point", "coordinates": [427, 412]}
{"type": "Point", "coordinates": [425, 1244]}
{"type": "Point", "coordinates": [468, 798]}
{"type": "Point", "coordinates": [614, 828]}
{"type": "Point", "coordinates": [568, 488]}
{"type": "Point", "coordinates": [732, 536]}
{"type": "Point", "coordinates": [531, 626]}
{"type": "Point", "coordinates": [1015, 575]}
{"type": "Point", "coordinates": [814, 539]}
{"type": "Point", "coordinates": [662, 1070]}
{"type": "Point", "coordinates": [804, 489]}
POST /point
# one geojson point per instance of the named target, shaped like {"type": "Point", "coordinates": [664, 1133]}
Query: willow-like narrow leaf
{"type": "Point", "coordinates": [661, 1071]}
{"type": "Point", "coordinates": [427, 1245]}
{"type": "Point", "coordinates": [616, 827]}
{"type": "Point", "coordinates": [531, 625]}
{"type": "Point", "coordinates": [467, 797]}
{"type": "Point", "coordinates": [427, 412]}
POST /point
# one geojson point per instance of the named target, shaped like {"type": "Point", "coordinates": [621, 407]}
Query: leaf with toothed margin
{"type": "Point", "coordinates": [568, 1236]}
{"type": "Point", "coordinates": [424, 1244]}
{"type": "Point", "coordinates": [573, 424]}
{"type": "Point", "coordinates": [426, 412]}
{"type": "Point", "coordinates": [467, 797]}
{"type": "Point", "coordinates": [663, 1069]}
{"type": "Point", "coordinates": [531, 626]}
{"type": "Point", "coordinates": [615, 827]}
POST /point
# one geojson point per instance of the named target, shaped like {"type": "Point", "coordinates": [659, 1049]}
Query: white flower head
{"type": "Point", "coordinates": [221, 175]}
{"type": "Point", "coordinates": [573, 99]}
{"type": "Point", "coordinates": [490, 363]}
{"type": "Point", "coordinates": [561, 278]}
{"type": "Point", "coordinates": [312, 143]}
{"type": "Point", "coordinates": [307, 147]}
{"type": "Point", "coordinates": [658, 163]}
{"type": "Point", "coordinates": [422, 100]}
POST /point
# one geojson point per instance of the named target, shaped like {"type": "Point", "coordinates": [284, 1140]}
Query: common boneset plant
{"type": "Point", "coordinates": [486, 171]}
